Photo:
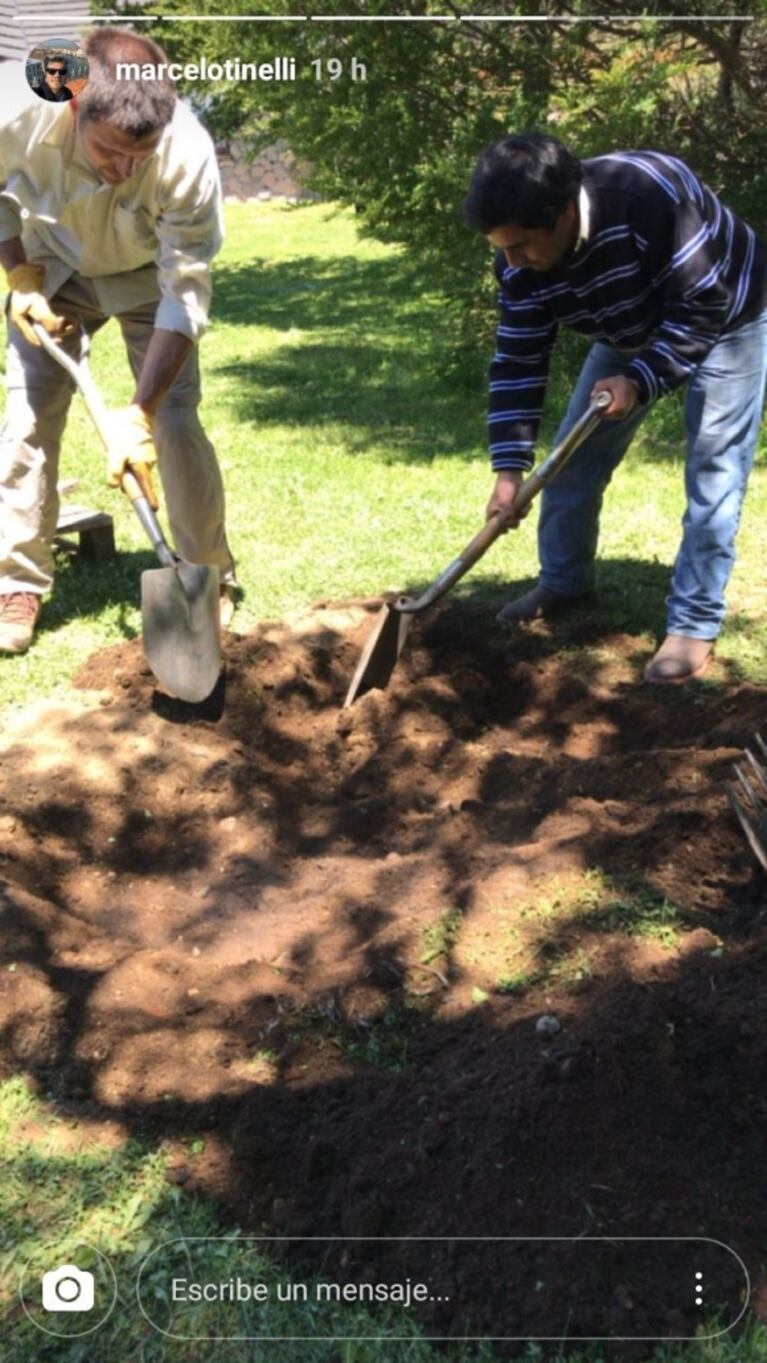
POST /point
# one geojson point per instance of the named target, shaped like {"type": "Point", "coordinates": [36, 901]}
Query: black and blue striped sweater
{"type": "Point", "coordinates": [665, 269]}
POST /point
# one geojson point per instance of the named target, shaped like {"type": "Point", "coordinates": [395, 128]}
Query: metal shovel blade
{"type": "Point", "coordinates": [180, 610]}
{"type": "Point", "coordinates": [379, 656]}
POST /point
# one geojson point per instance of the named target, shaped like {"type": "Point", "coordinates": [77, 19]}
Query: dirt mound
{"type": "Point", "coordinates": [326, 936]}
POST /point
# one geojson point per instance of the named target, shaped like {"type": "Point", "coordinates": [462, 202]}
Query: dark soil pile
{"type": "Point", "coordinates": [324, 938]}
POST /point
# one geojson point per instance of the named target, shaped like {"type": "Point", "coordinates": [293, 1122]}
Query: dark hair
{"type": "Point", "coordinates": [527, 180]}
{"type": "Point", "coordinates": [137, 107]}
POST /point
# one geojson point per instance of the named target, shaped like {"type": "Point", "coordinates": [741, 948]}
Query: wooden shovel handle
{"type": "Point", "coordinates": [482, 541]}
{"type": "Point", "coordinates": [99, 415]}
{"type": "Point", "coordinates": [559, 456]}
{"type": "Point", "coordinates": [538, 479]}
{"type": "Point", "coordinates": [495, 526]}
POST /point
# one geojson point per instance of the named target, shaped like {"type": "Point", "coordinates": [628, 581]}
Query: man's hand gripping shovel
{"type": "Point", "coordinates": [387, 637]}
{"type": "Point", "coordinates": [179, 601]}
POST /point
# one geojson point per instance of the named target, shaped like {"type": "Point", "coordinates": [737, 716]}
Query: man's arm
{"type": "Point", "coordinates": [189, 228]}
{"type": "Point", "coordinates": [166, 356]}
{"type": "Point", "coordinates": [131, 430]}
{"type": "Point", "coordinates": [518, 371]}
{"type": "Point", "coordinates": [13, 145]}
{"type": "Point", "coordinates": [189, 233]}
{"type": "Point", "coordinates": [690, 244]}
{"type": "Point", "coordinates": [518, 374]}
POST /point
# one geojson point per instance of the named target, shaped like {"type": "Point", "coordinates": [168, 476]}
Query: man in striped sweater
{"type": "Point", "coordinates": [634, 251]}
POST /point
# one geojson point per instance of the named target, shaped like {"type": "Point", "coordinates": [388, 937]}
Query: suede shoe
{"type": "Point", "coordinates": [18, 616]}
{"type": "Point", "coordinates": [679, 659]}
{"type": "Point", "coordinates": [538, 604]}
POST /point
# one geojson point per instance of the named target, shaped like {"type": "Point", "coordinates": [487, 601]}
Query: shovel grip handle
{"type": "Point", "coordinates": [481, 543]}
{"type": "Point", "coordinates": [550, 466]}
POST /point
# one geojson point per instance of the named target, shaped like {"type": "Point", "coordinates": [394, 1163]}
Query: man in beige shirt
{"type": "Point", "coordinates": [110, 206]}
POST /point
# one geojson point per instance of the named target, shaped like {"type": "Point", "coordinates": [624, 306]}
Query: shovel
{"type": "Point", "coordinates": [390, 630]}
{"type": "Point", "coordinates": [180, 601]}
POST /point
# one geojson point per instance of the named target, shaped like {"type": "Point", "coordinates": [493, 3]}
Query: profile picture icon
{"type": "Point", "coordinates": [57, 70]}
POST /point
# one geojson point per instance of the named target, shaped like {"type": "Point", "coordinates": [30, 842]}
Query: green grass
{"type": "Point", "coordinates": [645, 915]}
{"type": "Point", "coordinates": [383, 1040]}
{"type": "Point", "coordinates": [519, 981]}
{"type": "Point", "coordinates": [440, 937]}
{"type": "Point", "coordinates": [355, 462]}
{"type": "Point", "coordinates": [552, 936]}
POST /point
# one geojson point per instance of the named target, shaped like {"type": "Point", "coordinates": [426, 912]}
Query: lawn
{"type": "Point", "coordinates": [352, 446]}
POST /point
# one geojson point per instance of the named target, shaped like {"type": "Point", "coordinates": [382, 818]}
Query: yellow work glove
{"type": "Point", "coordinates": [28, 304]}
{"type": "Point", "coordinates": [130, 433]}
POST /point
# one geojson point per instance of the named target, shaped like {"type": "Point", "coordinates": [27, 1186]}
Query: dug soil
{"type": "Point", "coordinates": [322, 938]}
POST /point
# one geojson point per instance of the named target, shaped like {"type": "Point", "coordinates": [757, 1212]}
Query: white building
{"type": "Point", "coordinates": [20, 32]}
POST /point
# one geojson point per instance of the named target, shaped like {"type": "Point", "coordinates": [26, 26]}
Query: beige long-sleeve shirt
{"type": "Point", "coordinates": [152, 237]}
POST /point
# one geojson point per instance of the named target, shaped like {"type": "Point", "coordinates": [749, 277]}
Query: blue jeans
{"type": "Point", "coordinates": [723, 411]}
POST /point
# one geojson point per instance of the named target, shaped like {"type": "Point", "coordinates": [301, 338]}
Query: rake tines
{"type": "Point", "coordinates": [752, 812]}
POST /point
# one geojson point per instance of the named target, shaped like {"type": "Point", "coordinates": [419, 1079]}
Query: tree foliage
{"type": "Point", "coordinates": [400, 144]}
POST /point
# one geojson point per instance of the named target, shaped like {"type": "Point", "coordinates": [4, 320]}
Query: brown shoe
{"type": "Point", "coordinates": [537, 605]}
{"type": "Point", "coordinates": [18, 616]}
{"type": "Point", "coordinates": [679, 659]}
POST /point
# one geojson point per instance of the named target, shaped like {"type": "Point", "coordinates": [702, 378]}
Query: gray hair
{"type": "Point", "coordinates": [135, 107]}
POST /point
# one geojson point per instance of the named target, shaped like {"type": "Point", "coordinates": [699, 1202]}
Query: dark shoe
{"type": "Point", "coordinates": [537, 605]}
{"type": "Point", "coordinates": [679, 659]}
{"type": "Point", "coordinates": [18, 616]}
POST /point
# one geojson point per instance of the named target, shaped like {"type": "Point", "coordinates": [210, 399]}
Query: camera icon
{"type": "Point", "coordinates": [68, 1288]}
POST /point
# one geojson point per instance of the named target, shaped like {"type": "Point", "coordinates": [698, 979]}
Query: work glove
{"type": "Point", "coordinates": [130, 445]}
{"type": "Point", "coordinates": [27, 303]}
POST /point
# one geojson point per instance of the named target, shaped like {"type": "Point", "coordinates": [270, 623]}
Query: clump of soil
{"type": "Point", "coordinates": [326, 936]}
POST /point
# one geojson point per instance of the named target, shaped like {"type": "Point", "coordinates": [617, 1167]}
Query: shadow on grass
{"type": "Point", "coordinates": [396, 374]}
{"type": "Point", "coordinates": [314, 293]}
{"type": "Point", "coordinates": [375, 397]}
{"type": "Point", "coordinates": [84, 588]}
{"type": "Point", "coordinates": [630, 595]}
{"type": "Point", "coordinates": [379, 372]}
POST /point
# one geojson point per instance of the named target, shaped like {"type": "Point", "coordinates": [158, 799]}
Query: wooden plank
{"type": "Point", "coordinates": [76, 518]}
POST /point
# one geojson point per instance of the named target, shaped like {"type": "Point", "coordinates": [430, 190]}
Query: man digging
{"type": "Point", "coordinates": [122, 216]}
{"type": "Point", "coordinates": [632, 250]}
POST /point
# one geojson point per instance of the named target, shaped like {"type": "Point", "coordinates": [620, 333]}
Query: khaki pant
{"type": "Point", "coordinates": [39, 394]}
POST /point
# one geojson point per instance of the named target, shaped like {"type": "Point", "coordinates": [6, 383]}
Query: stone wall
{"type": "Point", "coordinates": [273, 174]}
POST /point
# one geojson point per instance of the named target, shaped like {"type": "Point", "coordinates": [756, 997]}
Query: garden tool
{"type": "Point", "coordinates": [392, 624]}
{"type": "Point", "coordinates": [179, 601]}
{"type": "Point", "coordinates": [752, 812]}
